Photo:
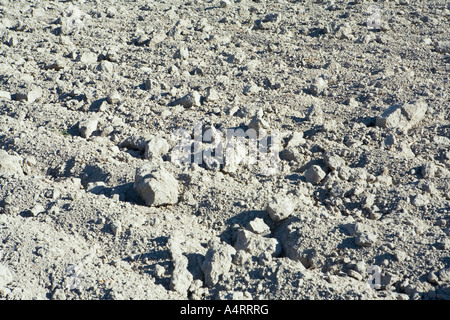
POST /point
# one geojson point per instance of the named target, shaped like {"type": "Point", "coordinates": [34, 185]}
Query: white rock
{"type": "Point", "coordinates": [333, 161]}
{"type": "Point", "coordinates": [217, 262]}
{"type": "Point", "coordinates": [13, 41]}
{"type": "Point", "coordinates": [351, 102]}
{"type": "Point", "coordinates": [296, 140]}
{"type": "Point", "coordinates": [428, 170]}
{"type": "Point", "coordinates": [5, 95]}
{"type": "Point", "coordinates": [116, 228]}
{"type": "Point", "coordinates": [251, 89]}
{"type": "Point", "coordinates": [317, 86]}
{"type": "Point", "coordinates": [105, 66]}
{"type": "Point", "coordinates": [258, 123]}
{"type": "Point", "coordinates": [314, 174]}
{"type": "Point", "coordinates": [10, 165]}
{"type": "Point", "coordinates": [5, 276]}
{"type": "Point", "coordinates": [280, 208]}
{"type": "Point", "coordinates": [160, 271]}
{"type": "Point", "coordinates": [211, 95]}
{"type": "Point", "coordinates": [432, 278]}
{"type": "Point", "coordinates": [135, 142]}
{"type": "Point", "coordinates": [150, 84]}
{"type": "Point", "coordinates": [182, 53]}
{"type": "Point", "coordinates": [403, 116]}
{"type": "Point", "coordinates": [256, 245]}
{"type": "Point", "coordinates": [156, 186]}
{"type": "Point", "coordinates": [111, 12]}
{"type": "Point", "coordinates": [365, 239]}
{"type": "Point", "coordinates": [258, 226]}
{"type": "Point", "coordinates": [420, 200]}
{"type": "Point", "coordinates": [113, 98]}
{"type": "Point", "coordinates": [29, 95]}
{"type": "Point", "coordinates": [88, 57]}
{"type": "Point", "coordinates": [96, 187]}
{"type": "Point", "coordinates": [444, 275]}
{"type": "Point", "coordinates": [225, 3]}
{"type": "Point", "coordinates": [400, 255]}
{"type": "Point", "coordinates": [156, 148]}
{"type": "Point", "coordinates": [181, 277]}
{"type": "Point", "coordinates": [192, 99]}
{"type": "Point", "coordinates": [87, 127]}
{"type": "Point", "coordinates": [37, 209]}
{"type": "Point", "coordinates": [315, 114]}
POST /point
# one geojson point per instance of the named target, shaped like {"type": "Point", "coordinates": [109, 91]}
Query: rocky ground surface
{"type": "Point", "coordinates": [96, 204]}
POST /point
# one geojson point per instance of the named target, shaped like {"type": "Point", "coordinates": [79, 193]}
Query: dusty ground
{"type": "Point", "coordinates": [350, 201]}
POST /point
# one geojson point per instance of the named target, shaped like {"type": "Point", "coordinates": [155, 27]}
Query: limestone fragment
{"type": "Point", "coordinates": [5, 95]}
{"type": "Point", "coordinates": [135, 142]}
{"type": "Point", "coordinates": [315, 114]}
{"type": "Point", "coordinates": [403, 116]}
{"type": "Point", "coordinates": [314, 174]}
{"type": "Point", "coordinates": [428, 170]}
{"type": "Point", "coordinates": [211, 95]}
{"type": "Point", "coordinates": [181, 277]}
{"type": "Point", "coordinates": [217, 262]}
{"type": "Point", "coordinates": [280, 208]}
{"type": "Point", "coordinates": [296, 140]}
{"type": "Point", "coordinates": [317, 86]}
{"type": "Point", "coordinates": [113, 98]}
{"type": "Point", "coordinates": [5, 275]}
{"type": "Point", "coordinates": [156, 186]}
{"type": "Point", "coordinates": [333, 161]}
{"type": "Point", "coordinates": [10, 165]}
{"type": "Point", "coordinates": [258, 226]}
{"type": "Point", "coordinates": [182, 53]}
{"type": "Point", "coordinates": [192, 99]}
{"type": "Point", "coordinates": [87, 127]}
{"type": "Point", "coordinates": [365, 238]}
{"type": "Point", "coordinates": [420, 200]}
{"type": "Point", "coordinates": [156, 148]}
{"type": "Point", "coordinates": [88, 57]}
{"type": "Point", "coordinates": [106, 66]}
{"type": "Point", "coordinates": [29, 95]}
{"type": "Point", "coordinates": [256, 245]}
{"type": "Point", "coordinates": [116, 228]}
{"type": "Point", "coordinates": [36, 210]}
{"type": "Point", "coordinates": [258, 123]}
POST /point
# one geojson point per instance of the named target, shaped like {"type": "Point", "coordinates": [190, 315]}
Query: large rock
{"type": "Point", "coordinates": [280, 208]}
{"type": "Point", "coordinates": [181, 277]}
{"type": "Point", "coordinates": [256, 245]}
{"type": "Point", "coordinates": [156, 148]}
{"type": "Point", "coordinates": [403, 116]}
{"type": "Point", "coordinates": [87, 127]}
{"type": "Point", "coordinates": [192, 99]}
{"type": "Point", "coordinates": [10, 165]}
{"type": "Point", "coordinates": [258, 226]}
{"type": "Point", "coordinates": [217, 262]}
{"type": "Point", "coordinates": [156, 185]}
{"type": "Point", "coordinates": [314, 174]}
{"type": "Point", "coordinates": [29, 95]}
